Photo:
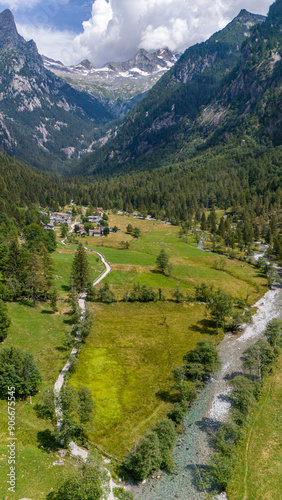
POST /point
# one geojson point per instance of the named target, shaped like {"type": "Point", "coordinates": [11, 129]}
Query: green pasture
{"type": "Point", "coordinates": [62, 261]}
{"type": "Point", "coordinates": [127, 363]}
{"type": "Point", "coordinates": [258, 471]}
{"type": "Point", "coordinates": [190, 265]}
{"type": "Point", "coordinates": [36, 331]}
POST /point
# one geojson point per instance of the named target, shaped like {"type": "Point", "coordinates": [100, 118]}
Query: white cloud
{"type": "Point", "coordinates": [52, 43]}
{"type": "Point", "coordinates": [118, 28]}
{"type": "Point", "coordinates": [18, 4]}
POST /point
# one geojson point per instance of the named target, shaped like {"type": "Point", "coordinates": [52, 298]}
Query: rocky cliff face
{"type": "Point", "coordinates": [122, 84]}
{"type": "Point", "coordinates": [42, 118]}
{"type": "Point", "coordinates": [180, 102]}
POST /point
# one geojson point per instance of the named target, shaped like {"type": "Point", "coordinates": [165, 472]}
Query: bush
{"type": "Point", "coordinates": [5, 321]}
{"type": "Point", "coordinates": [146, 458]}
{"type": "Point", "coordinates": [165, 430]}
{"type": "Point", "coordinates": [243, 394]}
{"type": "Point", "coordinates": [121, 494]}
{"type": "Point", "coordinates": [178, 412]}
{"type": "Point", "coordinates": [203, 358]}
{"type": "Point", "coordinates": [140, 294]}
{"type": "Point", "coordinates": [18, 370]}
{"type": "Point", "coordinates": [105, 295]}
{"type": "Point", "coordinates": [86, 485]}
{"type": "Point", "coordinates": [203, 292]}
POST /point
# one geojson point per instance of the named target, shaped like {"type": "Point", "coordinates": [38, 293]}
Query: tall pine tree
{"type": "Point", "coordinates": [80, 270]}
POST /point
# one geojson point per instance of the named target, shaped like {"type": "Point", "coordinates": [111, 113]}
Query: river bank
{"type": "Point", "coordinates": [211, 408]}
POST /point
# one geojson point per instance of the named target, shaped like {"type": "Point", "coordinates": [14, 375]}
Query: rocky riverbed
{"type": "Point", "coordinates": [211, 408]}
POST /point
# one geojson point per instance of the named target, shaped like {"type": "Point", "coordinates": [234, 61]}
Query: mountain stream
{"type": "Point", "coordinates": [208, 412]}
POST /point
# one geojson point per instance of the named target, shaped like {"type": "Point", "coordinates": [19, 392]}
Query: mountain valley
{"type": "Point", "coordinates": [140, 269]}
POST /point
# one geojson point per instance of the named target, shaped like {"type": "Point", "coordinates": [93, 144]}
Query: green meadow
{"type": "Point", "coordinates": [127, 363]}
{"type": "Point", "coordinates": [132, 349]}
{"type": "Point", "coordinates": [36, 331]}
{"type": "Point", "coordinates": [62, 261]}
{"type": "Point", "coordinates": [190, 266]}
{"type": "Point", "coordinates": [258, 471]}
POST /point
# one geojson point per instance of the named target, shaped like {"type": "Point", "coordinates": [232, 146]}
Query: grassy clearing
{"type": "Point", "coordinates": [62, 260]}
{"type": "Point", "coordinates": [191, 266]}
{"type": "Point", "coordinates": [129, 355]}
{"type": "Point", "coordinates": [258, 473]}
{"type": "Point", "coordinates": [38, 332]}
{"type": "Point", "coordinates": [127, 364]}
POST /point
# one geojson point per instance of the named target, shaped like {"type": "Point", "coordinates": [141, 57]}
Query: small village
{"type": "Point", "coordinates": [95, 224]}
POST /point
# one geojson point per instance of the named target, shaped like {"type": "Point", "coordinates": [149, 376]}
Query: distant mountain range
{"type": "Point", "coordinates": [43, 120]}
{"type": "Point", "coordinates": [120, 84]}
{"type": "Point", "coordinates": [227, 88]}
{"type": "Point", "coordinates": [52, 116]}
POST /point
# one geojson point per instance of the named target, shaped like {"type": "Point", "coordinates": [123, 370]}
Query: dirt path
{"type": "Point", "coordinates": [76, 450]}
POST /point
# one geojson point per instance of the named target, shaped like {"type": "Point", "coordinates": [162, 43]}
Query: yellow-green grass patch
{"type": "Point", "coordinates": [127, 363]}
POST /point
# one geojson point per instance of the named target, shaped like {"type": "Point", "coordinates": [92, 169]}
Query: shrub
{"type": "Point", "coordinates": [18, 370]}
{"type": "Point", "coordinates": [140, 294]}
{"type": "Point", "coordinates": [146, 458]}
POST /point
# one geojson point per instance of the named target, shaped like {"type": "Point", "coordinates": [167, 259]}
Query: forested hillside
{"type": "Point", "coordinates": [215, 93]}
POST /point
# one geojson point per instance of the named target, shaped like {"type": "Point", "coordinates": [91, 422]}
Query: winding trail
{"type": "Point", "coordinates": [76, 450]}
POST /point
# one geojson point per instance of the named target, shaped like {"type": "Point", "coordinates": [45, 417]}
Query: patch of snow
{"type": "Point", "coordinates": [124, 74]}
{"type": "Point", "coordinates": [138, 70]}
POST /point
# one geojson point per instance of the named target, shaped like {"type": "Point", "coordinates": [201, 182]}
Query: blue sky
{"type": "Point", "coordinates": [60, 14]}
{"type": "Point", "coordinates": [114, 30]}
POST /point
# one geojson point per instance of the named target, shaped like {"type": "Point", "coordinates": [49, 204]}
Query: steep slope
{"type": "Point", "coordinates": [250, 102]}
{"type": "Point", "coordinates": [123, 84]}
{"type": "Point", "coordinates": [159, 126]}
{"type": "Point", "coordinates": [42, 118]}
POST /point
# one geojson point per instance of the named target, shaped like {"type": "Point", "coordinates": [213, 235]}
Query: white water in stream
{"type": "Point", "coordinates": [208, 412]}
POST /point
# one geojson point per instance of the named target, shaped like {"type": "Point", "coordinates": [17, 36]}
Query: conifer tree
{"type": "Point", "coordinates": [5, 321]}
{"type": "Point", "coordinates": [80, 269]}
{"type": "Point", "coordinates": [162, 261]}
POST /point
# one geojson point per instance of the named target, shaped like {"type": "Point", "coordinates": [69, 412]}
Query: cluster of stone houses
{"type": "Point", "coordinates": [57, 218]}
{"type": "Point", "coordinates": [60, 218]}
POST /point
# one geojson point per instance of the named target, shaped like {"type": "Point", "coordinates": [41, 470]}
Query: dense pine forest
{"type": "Point", "coordinates": [245, 180]}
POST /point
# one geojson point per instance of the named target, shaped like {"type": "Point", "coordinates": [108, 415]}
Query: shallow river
{"type": "Point", "coordinates": [211, 408]}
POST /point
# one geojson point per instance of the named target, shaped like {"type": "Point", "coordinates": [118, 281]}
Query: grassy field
{"type": "Point", "coordinates": [129, 355]}
{"type": "Point", "coordinates": [258, 474]}
{"type": "Point", "coordinates": [62, 261]}
{"type": "Point", "coordinates": [127, 363]}
{"type": "Point", "coordinates": [191, 266]}
{"type": "Point", "coordinates": [38, 332]}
